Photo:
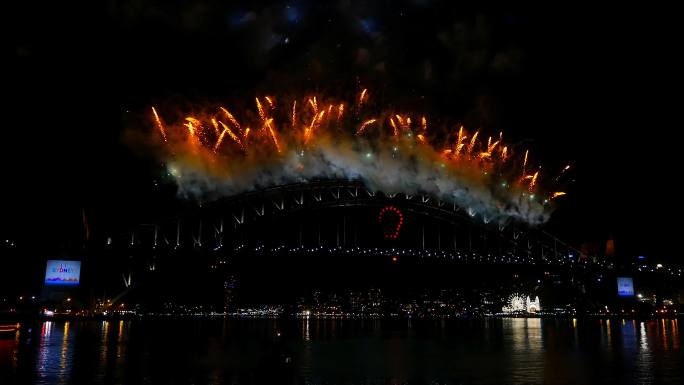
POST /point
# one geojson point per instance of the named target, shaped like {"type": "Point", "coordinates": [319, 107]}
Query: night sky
{"type": "Point", "coordinates": [596, 87]}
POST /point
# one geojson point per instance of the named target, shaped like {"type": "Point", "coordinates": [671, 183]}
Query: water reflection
{"type": "Point", "coordinates": [318, 351]}
{"type": "Point", "coordinates": [526, 349]}
{"type": "Point", "coordinates": [55, 353]}
{"type": "Point", "coordinates": [9, 346]}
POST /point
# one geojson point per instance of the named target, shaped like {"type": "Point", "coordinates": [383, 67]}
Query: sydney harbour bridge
{"type": "Point", "coordinates": [264, 231]}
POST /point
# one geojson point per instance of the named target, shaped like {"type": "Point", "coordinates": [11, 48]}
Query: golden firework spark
{"type": "Point", "coordinates": [269, 100]}
{"type": "Point", "coordinates": [362, 98]}
{"type": "Point", "coordinates": [271, 131]}
{"type": "Point", "coordinates": [395, 131]}
{"type": "Point", "coordinates": [467, 157]}
{"type": "Point", "coordinates": [364, 125]}
{"type": "Point", "coordinates": [159, 124]}
{"type": "Point", "coordinates": [314, 104]}
{"type": "Point", "coordinates": [215, 124]}
{"type": "Point", "coordinates": [260, 108]}
{"type": "Point", "coordinates": [315, 121]}
{"type": "Point", "coordinates": [557, 194]}
{"type": "Point", "coordinates": [231, 118]}
{"type": "Point", "coordinates": [473, 141]}
{"type": "Point", "coordinates": [226, 129]}
{"type": "Point", "coordinates": [533, 181]}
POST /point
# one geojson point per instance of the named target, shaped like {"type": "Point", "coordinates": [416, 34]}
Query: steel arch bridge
{"type": "Point", "coordinates": [213, 237]}
{"type": "Point", "coordinates": [220, 224]}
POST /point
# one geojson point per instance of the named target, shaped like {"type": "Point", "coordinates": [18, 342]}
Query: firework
{"type": "Point", "coordinates": [364, 125]}
{"type": "Point", "coordinates": [269, 125]}
{"type": "Point", "coordinates": [231, 118]}
{"type": "Point", "coordinates": [395, 131]}
{"type": "Point", "coordinates": [397, 156]}
{"type": "Point", "coordinates": [230, 133]}
{"type": "Point", "coordinates": [159, 123]}
{"type": "Point", "coordinates": [362, 97]}
{"type": "Point", "coordinates": [260, 108]}
{"type": "Point", "coordinates": [557, 194]}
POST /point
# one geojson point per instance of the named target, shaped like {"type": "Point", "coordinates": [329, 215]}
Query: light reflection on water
{"type": "Point", "coordinates": [310, 350]}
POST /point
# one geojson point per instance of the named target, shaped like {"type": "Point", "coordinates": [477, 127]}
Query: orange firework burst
{"type": "Point", "coordinates": [323, 125]}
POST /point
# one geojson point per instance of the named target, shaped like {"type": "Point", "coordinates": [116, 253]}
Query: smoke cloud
{"type": "Point", "coordinates": [485, 188]}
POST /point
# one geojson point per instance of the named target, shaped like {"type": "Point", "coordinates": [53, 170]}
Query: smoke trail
{"type": "Point", "coordinates": [309, 145]}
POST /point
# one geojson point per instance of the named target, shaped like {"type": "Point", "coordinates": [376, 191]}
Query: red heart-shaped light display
{"type": "Point", "coordinates": [394, 218]}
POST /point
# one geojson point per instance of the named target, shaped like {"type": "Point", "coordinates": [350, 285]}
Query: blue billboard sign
{"type": "Point", "coordinates": [62, 273]}
{"type": "Point", "coordinates": [625, 287]}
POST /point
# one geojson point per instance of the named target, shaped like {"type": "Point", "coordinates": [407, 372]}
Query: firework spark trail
{"type": "Point", "coordinates": [362, 98]}
{"type": "Point", "coordinates": [557, 194]}
{"type": "Point", "coordinates": [364, 125]}
{"type": "Point", "coordinates": [269, 125]}
{"type": "Point", "coordinates": [226, 129]}
{"type": "Point", "coordinates": [473, 141]}
{"type": "Point", "coordinates": [215, 124]}
{"type": "Point", "coordinates": [159, 124]}
{"type": "Point", "coordinates": [219, 140]}
{"type": "Point", "coordinates": [395, 131]}
{"type": "Point", "coordinates": [231, 118]}
{"type": "Point", "coordinates": [533, 181]}
{"type": "Point", "coordinates": [563, 171]}
{"type": "Point", "coordinates": [314, 105]}
{"type": "Point", "coordinates": [459, 142]}
{"type": "Point", "coordinates": [191, 126]}
{"type": "Point", "coordinates": [472, 173]}
{"type": "Point", "coordinates": [260, 109]}
{"type": "Point", "coordinates": [315, 122]}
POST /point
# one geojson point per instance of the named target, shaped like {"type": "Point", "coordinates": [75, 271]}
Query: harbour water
{"type": "Point", "coordinates": [343, 351]}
